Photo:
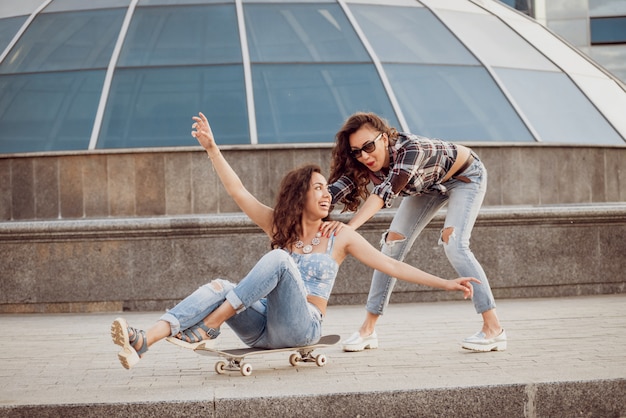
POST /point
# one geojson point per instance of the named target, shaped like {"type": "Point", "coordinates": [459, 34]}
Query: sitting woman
{"type": "Point", "coordinates": [282, 300]}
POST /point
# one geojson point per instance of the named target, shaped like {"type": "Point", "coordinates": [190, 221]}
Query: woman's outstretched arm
{"type": "Point", "coordinates": [260, 214]}
{"type": "Point", "coordinates": [362, 250]}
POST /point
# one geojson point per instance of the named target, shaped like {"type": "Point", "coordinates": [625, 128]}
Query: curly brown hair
{"type": "Point", "coordinates": [290, 201]}
{"type": "Point", "coordinates": [343, 163]}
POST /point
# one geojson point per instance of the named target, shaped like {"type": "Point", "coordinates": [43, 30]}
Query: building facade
{"type": "Point", "coordinates": [127, 74]}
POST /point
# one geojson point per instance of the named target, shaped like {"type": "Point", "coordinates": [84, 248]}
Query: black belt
{"type": "Point", "coordinates": [465, 165]}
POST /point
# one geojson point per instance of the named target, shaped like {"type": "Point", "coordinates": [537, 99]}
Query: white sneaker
{"type": "Point", "coordinates": [478, 342]}
{"type": "Point", "coordinates": [358, 343]}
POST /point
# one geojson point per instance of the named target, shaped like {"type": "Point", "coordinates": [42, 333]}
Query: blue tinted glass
{"type": "Point", "coordinates": [8, 29]}
{"type": "Point", "coordinates": [46, 112]}
{"type": "Point", "coordinates": [522, 5]}
{"type": "Point", "coordinates": [65, 41]}
{"type": "Point", "coordinates": [455, 103]}
{"type": "Point", "coordinates": [608, 30]}
{"type": "Point", "coordinates": [556, 108]}
{"type": "Point", "coordinates": [153, 107]}
{"type": "Point", "coordinates": [179, 2]}
{"type": "Point", "coordinates": [308, 103]}
{"type": "Point", "coordinates": [182, 35]}
{"type": "Point", "coordinates": [301, 33]}
{"type": "Point", "coordinates": [495, 43]}
{"type": "Point", "coordinates": [417, 36]}
{"type": "Point", "coordinates": [75, 5]}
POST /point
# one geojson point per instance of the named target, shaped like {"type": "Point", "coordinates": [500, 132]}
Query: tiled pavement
{"type": "Point", "coordinates": [565, 357]}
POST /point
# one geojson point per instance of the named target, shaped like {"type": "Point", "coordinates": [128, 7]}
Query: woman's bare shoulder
{"type": "Point", "coordinates": [348, 240]}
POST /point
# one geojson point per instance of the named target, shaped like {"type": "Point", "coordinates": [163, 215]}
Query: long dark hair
{"type": "Point", "coordinates": [290, 201]}
{"type": "Point", "coordinates": [344, 164]}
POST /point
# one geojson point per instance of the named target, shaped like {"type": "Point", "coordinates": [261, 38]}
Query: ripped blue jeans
{"type": "Point", "coordinates": [272, 309]}
{"type": "Point", "coordinates": [415, 212]}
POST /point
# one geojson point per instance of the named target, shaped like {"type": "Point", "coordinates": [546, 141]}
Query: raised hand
{"type": "Point", "coordinates": [202, 132]}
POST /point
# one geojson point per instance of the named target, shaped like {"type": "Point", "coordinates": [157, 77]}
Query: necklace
{"type": "Point", "coordinates": [309, 247]}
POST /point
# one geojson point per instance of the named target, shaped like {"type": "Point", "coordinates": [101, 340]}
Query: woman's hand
{"type": "Point", "coordinates": [203, 133]}
{"type": "Point", "coordinates": [464, 285]}
{"type": "Point", "coordinates": [329, 228]}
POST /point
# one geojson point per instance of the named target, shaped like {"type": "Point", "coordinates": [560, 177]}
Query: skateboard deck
{"type": "Point", "coordinates": [234, 358]}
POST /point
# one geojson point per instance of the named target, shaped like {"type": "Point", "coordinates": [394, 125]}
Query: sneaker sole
{"type": "Point", "coordinates": [500, 346]}
{"type": "Point", "coordinates": [191, 346]}
{"type": "Point", "coordinates": [128, 357]}
{"type": "Point", "coordinates": [360, 347]}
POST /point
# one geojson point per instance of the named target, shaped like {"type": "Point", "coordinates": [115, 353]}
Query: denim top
{"type": "Point", "coordinates": [318, 271]}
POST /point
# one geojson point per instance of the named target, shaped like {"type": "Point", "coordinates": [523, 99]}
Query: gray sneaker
{"type": "Point", "coordinates": [478, 342]}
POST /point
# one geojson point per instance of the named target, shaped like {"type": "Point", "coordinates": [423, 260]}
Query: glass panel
{"type": "Point", "coordinates": [608, 97]}
{"type": "Point", "coordinates": [153, 107]}
{"type": "Point", "coordinates": [608, 30]}
{"type": "Point", "coordinates": [8, 30]}
{"type": "Point", "coordinates": [455, 103]}
{"type": "Point", "coordinates": [521, 5]}
{"type": "Point", "coordinates": [301, 33]}
{"type": "Point", "coordinates": [411, 3]}
{"type": "Point", "coordinates": [65, 41]}
{"type": "Point", "coordinates": [462, 6]}
{"type": "Point", "coordinates": [75, 5]}
{"type": "Point", "coordinates": [46, 112]}
{"type": "Point", "coordinates": [562, 54]}
{"type": "Point", "coordinates": [179, 2]}
{"type": "Point", "coordinates": [289, 1]}
{"type": "Point", "coordinates": [557, 109]}
{"type": "Point", "coordinates": [495, 44]}
{"type": "Point", "coordinates": [417, 36]}
{"type": "Point", "coordinates": [170, 35]}
{"type": "Point", "coordinates": [308, 103]}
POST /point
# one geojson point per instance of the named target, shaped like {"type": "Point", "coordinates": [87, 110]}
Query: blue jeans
{"type": "Point", "coordinates": [415, 212]}
{"type": "Point", "coordinates": [272, 309]}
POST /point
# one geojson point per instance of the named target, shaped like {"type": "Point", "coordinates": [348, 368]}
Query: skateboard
{"type": "Point", "coordinates": [234, 358]}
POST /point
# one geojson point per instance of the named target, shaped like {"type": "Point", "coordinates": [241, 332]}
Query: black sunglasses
{"type": "Point", "coordinates": [367, 147]}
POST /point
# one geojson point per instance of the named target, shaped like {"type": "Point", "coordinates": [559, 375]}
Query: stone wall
{"type": "Point", "coordinates": [108, 231]}
{"type": "Point", "coordinates": [181, 181]}
{"type": "Point", "coordinates": [151, 263]}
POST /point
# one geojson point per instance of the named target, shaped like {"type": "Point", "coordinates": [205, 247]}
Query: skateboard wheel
{"type": "Point", "coordinates": [320, 360]}
{"type": "Point", "coordinates": [219, 367]}
{"type": "Point", "coordinates": [246, 369]}
{"type": "Point", "coordinates": [294, 359]}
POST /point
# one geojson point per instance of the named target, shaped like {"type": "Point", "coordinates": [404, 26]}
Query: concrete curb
{"type": "Point", "coordinates": [604, 398]}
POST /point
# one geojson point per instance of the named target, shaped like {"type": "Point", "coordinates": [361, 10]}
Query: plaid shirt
{"type": "Point", "coordinates": [416, 166]}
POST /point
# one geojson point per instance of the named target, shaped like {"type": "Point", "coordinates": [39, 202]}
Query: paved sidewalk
{"type": "Point", "coordinates": [564, 356]}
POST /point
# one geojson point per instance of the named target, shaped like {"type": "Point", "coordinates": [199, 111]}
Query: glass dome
{"type": "Point", "coordinates": [105, 74]}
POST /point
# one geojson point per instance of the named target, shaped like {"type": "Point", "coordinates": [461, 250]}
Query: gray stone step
{"type": "Point", "coordinates": [151, 263]}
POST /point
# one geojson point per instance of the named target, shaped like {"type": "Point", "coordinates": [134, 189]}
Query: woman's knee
{"type": "Point", "coordinates": [275, 259]}
{"type": "Point", "coordinates": [391, 243]}
{"type": "Point", "coordinates": [217, 286]}
{"type": "Point", "coordinates": [452, 245]}
{"type": "Point", "coordinates": [446, 234]}
{"type": "Point", "coordinates": [277, 255]}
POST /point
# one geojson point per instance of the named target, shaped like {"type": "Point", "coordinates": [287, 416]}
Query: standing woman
{"type": "Point", "coordinates": [428, 173]}
{"type": "Point", "coordinates": [282, 301]}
